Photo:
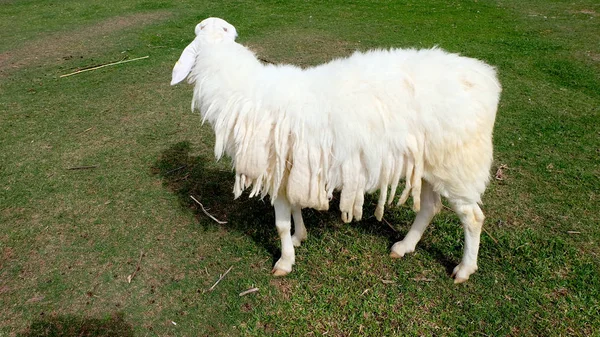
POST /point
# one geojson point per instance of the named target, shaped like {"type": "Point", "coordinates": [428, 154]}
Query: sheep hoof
{"type": "Point", "coordinates": [462, 272]}
{"type": "Point", "coordinates": [282, 268]}
{"type": "Point", "coordinates": [399, 249]}
{"type": "Point", "coordinates": [279, 272]}
{"type": "Point", "coordinates": [458, 280]}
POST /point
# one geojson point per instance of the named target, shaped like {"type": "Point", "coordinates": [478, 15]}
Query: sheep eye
{"type": "Point", "coordinates": [225, 29]}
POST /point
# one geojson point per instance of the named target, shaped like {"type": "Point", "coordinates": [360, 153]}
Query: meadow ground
{"type": "Point", "coordinates": [70, 239]}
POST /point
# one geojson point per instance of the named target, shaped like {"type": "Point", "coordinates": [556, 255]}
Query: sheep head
{"type": "Point", "coordinates": [209, 31]}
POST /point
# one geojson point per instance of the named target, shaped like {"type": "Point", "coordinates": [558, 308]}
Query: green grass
{"type": "Point", "coordinates": [70, 238]}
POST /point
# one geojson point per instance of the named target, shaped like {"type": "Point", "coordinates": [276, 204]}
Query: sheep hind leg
{"type": "Point", "coordinates": [472, 218]}
{"type": "Point", "coordinates": [283, 222]}
{"type": "Point", "coordinates": [300, 233]}
{"type": "Point", "coordinates": [430, 206]}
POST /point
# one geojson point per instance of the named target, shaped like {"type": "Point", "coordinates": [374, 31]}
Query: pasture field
{"type": "Point", "coordinates": [99, 237]}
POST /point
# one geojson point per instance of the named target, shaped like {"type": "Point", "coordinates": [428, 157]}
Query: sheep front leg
{"type": "Point", "coordinates": [299, 229]}
{"type": "Point", "coordinates": [472, 218]}
{"type": "Point", "coordinates": [430, 205]}
{"type": "Point", "coordinates": [283, 222]}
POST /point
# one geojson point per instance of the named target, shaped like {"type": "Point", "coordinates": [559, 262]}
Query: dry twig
{"type": "Point", "coordinates": [205, 212]}
{"type": "Point", "coordinates": [104, 65]}
{"type": "Point", "coordinates": [175, 169]}
{"type": "Point", "coordinates": [500, 172]}
{"type": "Point", "coordinates": [490, 235]}
{"type": "Point", "coordinates": [573, 232]}
{"type": "Point", "coordinates": [220, 278]}
{"type": "Point", "coordinates": [86, 130]}
{"type": "Point", "coordinates": [187, 175]}
{"type": "Point", "coordinates": [249, 291]}
{"type": "Point", "coordinates": [389, 225]}
{"type": "Point", "coordinates": [130, 277]}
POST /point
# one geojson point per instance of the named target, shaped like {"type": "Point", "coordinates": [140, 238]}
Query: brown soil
{"type": "Point", "coordinates": [64, 46]}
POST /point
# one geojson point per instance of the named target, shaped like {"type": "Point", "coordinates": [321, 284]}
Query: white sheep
{"type": "Point", "coordinates": [358, 124]}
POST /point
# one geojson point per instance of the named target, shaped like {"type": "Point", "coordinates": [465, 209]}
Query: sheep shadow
{"type": "Point", "coordinates": [111, 325]}
{"type": "Point", "coordinates": [187, 175]}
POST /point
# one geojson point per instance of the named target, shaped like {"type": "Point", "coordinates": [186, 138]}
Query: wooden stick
{"type": "Point", "coordinates": [220, 278]}
{"type": "Point", "coordinates": [82, 167]}
{"type": "Point", "coordinates": [130, 277]}
{"type": "Point", "coordinates": [389, 225]}
{"type": "Point", "coordinates": [249, 291]}
{"type": "Point", "coordinates": [205, 212]}
{"type": "Point", "coordinates": [573, 232]}
{"type": "Point", "coordinates": [86, 130]}
{"type": "Point", "coordinates": [174, 170]}
{"type": "Point", "coordinates": [490, 235]}
{"type": "Point", "coordinates": [104, 65]}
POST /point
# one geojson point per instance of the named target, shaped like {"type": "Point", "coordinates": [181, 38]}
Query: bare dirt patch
{"type": "Point", "coordinates": [594, 56]}
{"type": "Point", "coordinates": [309, 48]}
{"type": "Point", "coordinates": [283, 286]}
{"type": "Point", "coordinates": [64, 46]}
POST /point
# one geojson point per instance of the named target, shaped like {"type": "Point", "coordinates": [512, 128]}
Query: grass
{"type": "Point", "coordinates": [70, 238]}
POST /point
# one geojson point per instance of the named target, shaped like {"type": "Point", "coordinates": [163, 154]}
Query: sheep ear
{"type": "Point", "coordinates": [185, 63]}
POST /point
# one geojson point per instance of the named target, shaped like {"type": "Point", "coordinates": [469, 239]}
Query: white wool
{"type": "Point", "coordinates": [357, 124]}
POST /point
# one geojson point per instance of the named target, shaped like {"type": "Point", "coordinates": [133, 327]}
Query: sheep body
{"type": "Point", "coordinates": [351, 124]}
{"type": "Point", "coordinates": [357, 125]}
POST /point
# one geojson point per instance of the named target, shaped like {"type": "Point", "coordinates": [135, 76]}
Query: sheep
{"type": "Point", "coordinates": [356, 125]}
